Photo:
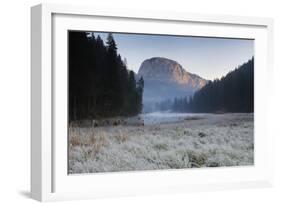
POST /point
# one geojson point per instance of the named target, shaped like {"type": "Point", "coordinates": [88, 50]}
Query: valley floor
{"type": "Point", "coordinates": [206, 140]}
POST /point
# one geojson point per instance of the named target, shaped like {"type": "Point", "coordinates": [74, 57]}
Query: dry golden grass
{"type": "Point", "coordinates": [94, 139]}
{"type": "Point", "coordinates": [74, 141]}
{"type": "Point", "coordinates": [99, 141]}
{"type": "Point", "coordinates": [122, 136]}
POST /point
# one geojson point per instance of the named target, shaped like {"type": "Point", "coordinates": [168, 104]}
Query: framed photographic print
{"type": "Point", "coordinates": [137, 102]}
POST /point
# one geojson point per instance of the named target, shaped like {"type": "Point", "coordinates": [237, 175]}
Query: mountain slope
{"type": "Point", "coordinates": [167, 70]}
{"type": "Point", "coordinates": [166, 79]}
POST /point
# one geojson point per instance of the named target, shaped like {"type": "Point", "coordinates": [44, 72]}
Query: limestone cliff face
{"type": "Point", "coordinates": [165, 79]}
{"type": "Point", "coordinates": [164, 70]}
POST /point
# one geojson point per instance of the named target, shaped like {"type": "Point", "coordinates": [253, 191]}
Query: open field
{"type": "Point", "coordinates": [203, 140]}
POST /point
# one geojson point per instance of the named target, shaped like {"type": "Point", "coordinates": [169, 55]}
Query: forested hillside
{"type": "Point", "coordinates": [232, 93]}
{"type": "Point", "coordinates": [100, 85]}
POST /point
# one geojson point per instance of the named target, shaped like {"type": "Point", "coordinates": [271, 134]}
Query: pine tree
{"type": "Point", "coordinates": [100, 85]}
{"type": "Point", "coordinates": [140, 86]}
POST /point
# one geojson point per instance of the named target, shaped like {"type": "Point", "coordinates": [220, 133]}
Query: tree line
{"type": "Point", "coordinates": [100, 85]}
{"type": "Point", "coordinates": [232, 93]}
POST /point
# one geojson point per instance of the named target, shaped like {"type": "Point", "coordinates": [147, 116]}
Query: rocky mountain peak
{"type": "Point", "coordinates": [167, 70]}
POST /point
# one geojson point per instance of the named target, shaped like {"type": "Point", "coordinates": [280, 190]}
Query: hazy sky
{"type": "Point", "coordinates": [208, 57]}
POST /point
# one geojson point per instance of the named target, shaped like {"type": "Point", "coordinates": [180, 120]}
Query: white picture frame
{"type": "Point", "coordinates": [49, 179]}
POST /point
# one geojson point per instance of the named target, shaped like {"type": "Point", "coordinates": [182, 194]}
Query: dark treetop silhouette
{"type": "Point", "coordinates": [100, 85]}
{"type": "Point", "coordinates": [232, 93]}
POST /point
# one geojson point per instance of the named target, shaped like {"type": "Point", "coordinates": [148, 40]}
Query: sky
{"type": "Point", "coordinates": [207, 57]}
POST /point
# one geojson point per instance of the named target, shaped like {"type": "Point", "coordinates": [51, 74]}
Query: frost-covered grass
{"type": "Point", "coordinates": [207, 141]}
{"type": "Point", "coordinates": [168, 117]}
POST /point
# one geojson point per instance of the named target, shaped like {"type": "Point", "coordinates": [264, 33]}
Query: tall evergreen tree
{"type": "Point", "coordinates": [100, 85]}
{"type": "Point", "coordinates": [140, 86]}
